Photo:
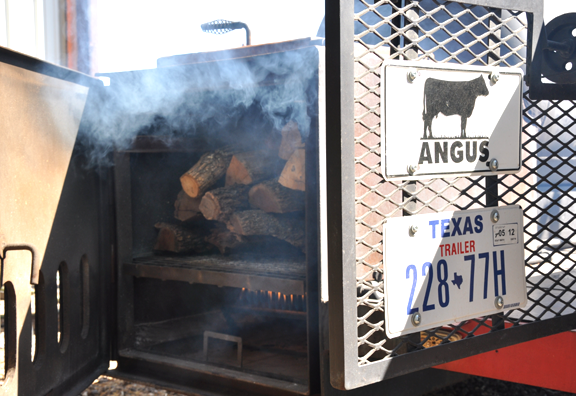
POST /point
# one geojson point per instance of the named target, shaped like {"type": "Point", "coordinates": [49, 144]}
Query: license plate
{"type": "Point", "coordinates": [446, 119]}
{"type": "Point", "coordinates": [449, 267]}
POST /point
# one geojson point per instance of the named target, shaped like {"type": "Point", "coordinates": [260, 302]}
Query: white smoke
{"type": "Point", "coordinates": [213, 100]}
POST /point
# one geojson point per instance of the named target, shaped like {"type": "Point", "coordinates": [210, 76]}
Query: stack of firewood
{"type": "Point", "coordinates": [262, 198]}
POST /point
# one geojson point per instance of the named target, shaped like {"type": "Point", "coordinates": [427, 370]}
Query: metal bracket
{"type": "Point", "coordinates": [555, 60]}
{"type": "Point", "coordinates": [224, 337]}
{"type": "Point", "coordinates": [35, 275]}
{"type": "Point", "coordinates": [545, 45]}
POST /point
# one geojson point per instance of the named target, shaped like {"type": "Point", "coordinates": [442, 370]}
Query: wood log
{"type": "Point", "coordinates": [187, 208]}
{"type": "Point", "coordinates": [272, 197]}
{"type": "Point", "coordinates": [206, 172]}
{"type": "Point", "coordinates": [257, 222]}
{"type": "Point", "coordinates": [294, 174]}
{"type": "Point", "coordinates": [248, 168]}
{"type": "Point", "coordinates": [220, 203]}
{"type": "Point", "coordinates": [225, 240]}
{"type": "Point", "coordinates": [178, 239]}
{"type": "Point", "coordinates": [291, 140]}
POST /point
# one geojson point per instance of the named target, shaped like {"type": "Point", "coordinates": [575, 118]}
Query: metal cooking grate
{"type": "Point", "coordinates": [443, 31]}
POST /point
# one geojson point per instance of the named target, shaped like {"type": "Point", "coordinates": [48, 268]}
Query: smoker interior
{"type": "Point", "coordinates": [242, 316]}
{"type": "Point", "coordinates": [245, 311]}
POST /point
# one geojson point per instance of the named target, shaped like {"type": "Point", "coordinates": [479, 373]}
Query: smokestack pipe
{"type": "Point", "coordinates": [221, 26]}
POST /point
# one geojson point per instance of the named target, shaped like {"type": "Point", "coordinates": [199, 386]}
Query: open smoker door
{"type": "Point", "coordinates": [55, 275]}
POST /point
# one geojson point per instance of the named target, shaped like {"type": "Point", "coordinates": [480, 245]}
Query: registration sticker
{"type": "Point", "coordinates": [448, 267]}
{"type": "Point", "coordinates": [505, 234]}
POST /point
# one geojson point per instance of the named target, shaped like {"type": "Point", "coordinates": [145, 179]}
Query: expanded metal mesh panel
{"type": "Point", "coordinates": [444, 31]}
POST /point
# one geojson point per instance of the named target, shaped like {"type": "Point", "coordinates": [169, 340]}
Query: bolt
{"type": "Point", "coordinates": [493, 164]}
{"type": "Point", "coordinates": [494, 77]}
{"type": "Point", "coordinates": [412, 74]}
{"type": "Point", "coordinates": [495, 216]}
{"type": "Point", "coordinates": [416, 319]}
{"type": "Point", "coordinates": [413, 229]}
{"type": "Point", "coordinates": [499, 302]}
{"type": "Point", "coordinates": [412, 169]}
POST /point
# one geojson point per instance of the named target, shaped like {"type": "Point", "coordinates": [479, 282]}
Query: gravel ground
{"type": "Point", "coordinates": [475, 386]}
{"type": "Point", "coordinates": [107, 386]}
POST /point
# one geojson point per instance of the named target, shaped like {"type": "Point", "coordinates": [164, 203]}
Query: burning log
{"type": "Point", "coordinates": [220, 203]}
{"type": "Point", "coordinates": [187, 208]}
{"type": "Point", "coordinates": [293, 175]}
{"type": "Point", "coordinates": [178, 239]}
{"type": "Point", "coordinates": [248, 168]}
{"type": "Point", "coordinates": [206, 172]}
{"type": "Point", "coordinates": [257, 222]}
{"type": "Point", "coordinates": [291, 140]}
{"type": "Point", "coordinates": [270, 196]}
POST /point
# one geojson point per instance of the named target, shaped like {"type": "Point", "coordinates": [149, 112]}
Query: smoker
{"type": "Point", "coordinates": [239, 320]}
{"type": "Point", "coordinates": [95, 266]}
{"type": "Point", "coordinates": [235, 319]}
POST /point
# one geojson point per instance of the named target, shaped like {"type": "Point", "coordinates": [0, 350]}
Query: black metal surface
{"type": "Point", "coordinates": [200, 378]}
{"type": "Point", "coordinates": [75, 234]}
{"type": "Point", "coordinates": [554, 50]}
{"type": "Point", "coordinates": [559, 57]}
{"type": "Point", "coordinates": [414, 384]}
{"type": "Point", "coordinates": [257, 273]}
{"type": "Point", "coordinates": [312, 247]}
{"type": "Point", "coordinates": [340, 187]}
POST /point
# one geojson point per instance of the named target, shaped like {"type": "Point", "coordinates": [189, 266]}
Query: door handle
{"type": "Point", "coordinates": [35, 274]}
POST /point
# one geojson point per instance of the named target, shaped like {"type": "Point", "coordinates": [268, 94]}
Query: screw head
{"type": "Point", "coordinates": [494, 77]}
{"type": "Point", "coordinates": [499, 302]}
{"type": "Point", "coordinates": [416, 319]}
{"type": "Point", "coordinates": [412, 169]}
{"type": "Point", "coordinates": [493, 164]}
{"type": "Point", "coordinates": [495, 216]}
{"type": "Point", "coordinates": [413, 229]}
{"type": "Point", "coordinates": [412, 74]}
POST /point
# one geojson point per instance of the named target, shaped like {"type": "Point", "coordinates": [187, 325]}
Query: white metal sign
{"type": "Point", "coordinates": [449, 267]}
{"type": "Point", "coordinates": [443, 119]}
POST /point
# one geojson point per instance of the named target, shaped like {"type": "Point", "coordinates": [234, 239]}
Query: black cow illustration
{"type": "Point", "coordinates": [450, 98]}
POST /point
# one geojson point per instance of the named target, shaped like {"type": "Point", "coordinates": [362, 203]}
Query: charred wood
{"type": "Point", "coordinates": [206, 172]}
{"type": "Point", "coordinates": [270, 196]}
{"type": "Point", "coordinates": [187, 208]}
{"type": "Point", "coordinates": [225, 240]}
{"type": "Point", "coordinates": [249, 168]}
{"type": "Point", "coordinates": [220, 203]}
{"type": "Point", "coordinates": [178, 239]}
{"type": "Point", "coordinates": [256, 222]}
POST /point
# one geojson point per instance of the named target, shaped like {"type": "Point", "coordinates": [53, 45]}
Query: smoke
{"type": "Point", "coordinates": [246, 98]}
